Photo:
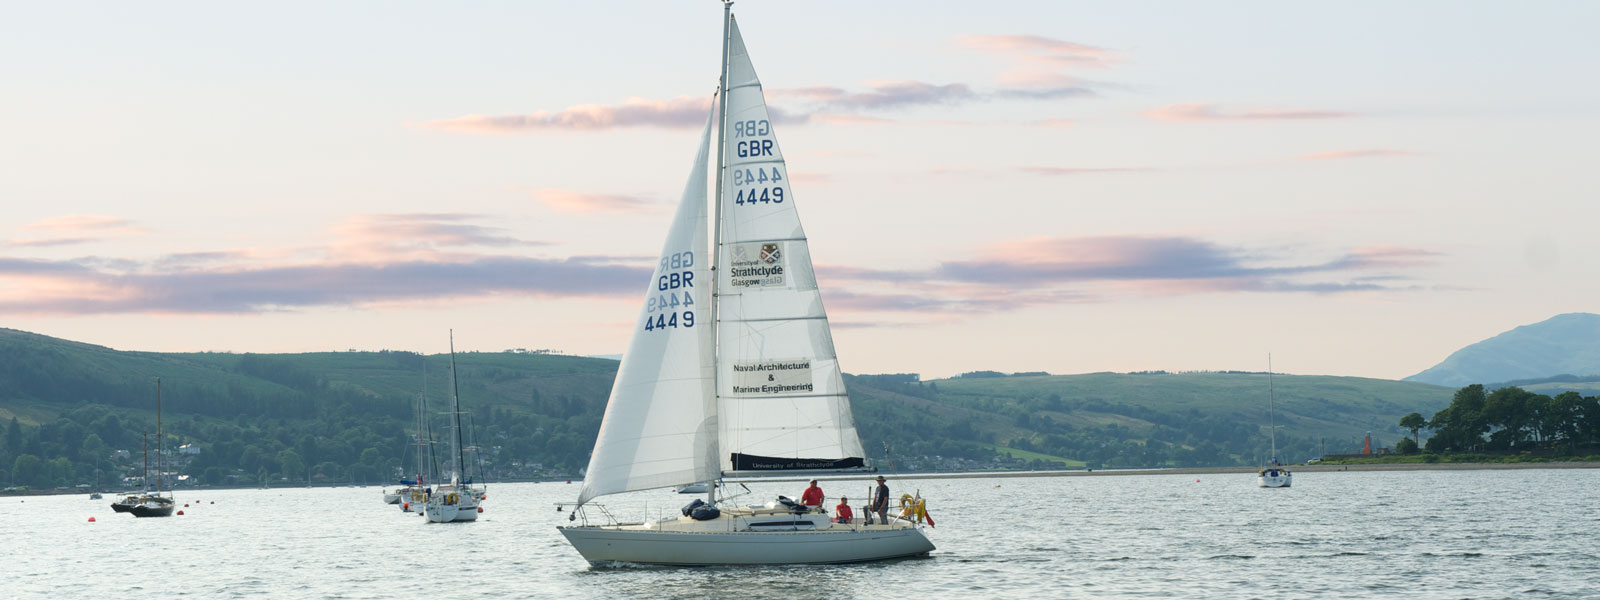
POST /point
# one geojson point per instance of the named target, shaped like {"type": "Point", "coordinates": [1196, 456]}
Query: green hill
{"type": "Point", "coordinates": [1162, 419]}
{"type": "Point", "coordinates": [287, 415]}
{"type": "Point", "coordinates": [67, 407]}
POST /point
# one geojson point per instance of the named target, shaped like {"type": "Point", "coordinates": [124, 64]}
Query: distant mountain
{"type": "Point", "coordinates": [1566, 344]}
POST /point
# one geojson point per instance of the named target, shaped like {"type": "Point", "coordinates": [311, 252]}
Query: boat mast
{"type": "Point", "coordinates": [144, 448]}
{"type": "Point", "coordinates": [159, 441]}
{"type": "Point", "coordinates": [422, 405]}
{"type": "Point", "coordinates": [455, 436]}
{"type": "Point", "coordinates": [716, 221]}
{"type": "Point", "coordinates": [1272, 422]}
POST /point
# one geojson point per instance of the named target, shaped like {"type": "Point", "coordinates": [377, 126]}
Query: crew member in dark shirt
{"type": "Point", "coordinates": [880, 502]}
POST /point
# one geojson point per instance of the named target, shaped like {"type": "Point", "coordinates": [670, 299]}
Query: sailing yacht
{"type": "Point", "coordinates": [457, 500]}
{"type": "Point", "coordinates": [95, 495]}
{"type": "Point", "coordinates": [731, 371]}
{"type": "Point", "coordinates": [154, 504]}
{"type": "Point", "coordinates": [126, 503]}
{"type": "Point", "coordinates": [411, 491]}
{"type": "Point", "coordinates": [1274, 475]}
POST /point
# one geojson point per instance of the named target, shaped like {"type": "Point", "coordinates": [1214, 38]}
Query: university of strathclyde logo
{"type": "Point", "coordinates": [769, 253]}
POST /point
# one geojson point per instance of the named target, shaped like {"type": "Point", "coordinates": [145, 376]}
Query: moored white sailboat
{"type": "Point", "coordinates": [733, 373]}
{"type": "Point", "coordinates": [457, 500]}
{"type": "Point", "coordinates": [1274, 475]}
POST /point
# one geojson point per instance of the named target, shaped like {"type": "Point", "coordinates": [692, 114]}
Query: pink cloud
{"type": "Point", "coordinates": [683, 112]}
{"type": "Point", "coordinates": [1198, 113]}
{"type": "Point", "coordinates": [68, 230]}
{"type": "Point", "coordinates": [1367, 153]}
{"type": "Point", "coordinates": [882, 94]}
{"type": "Point", "coordinates": [1040, 49]}
{"type": "Point", "coordinates": [571, 201]}
{"type": "Point", "coordinates": [75, 288]}
{"type": "Point", "coordinates": [838, 119]}
{"type": "Point", "coordinates": [1040, 271]}
{"type": "Point", "coordinates": [48, 242]}
{"type": "Point", "coordinates": [1389, 256]}
{"type": "Point", "coordinates": [69, 223]}
{"type": "Point", "coordinates": [1081, 170]}
{"type": "Point", "coordinates": [813, 93]}
{"type": "Point", "coordinates": [1053, 123]}
{"type": "Point", "coordinates": [420, 236]}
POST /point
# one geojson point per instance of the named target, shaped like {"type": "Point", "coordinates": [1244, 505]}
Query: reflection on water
{"type": "Point", "coordinates": [1419, 534]}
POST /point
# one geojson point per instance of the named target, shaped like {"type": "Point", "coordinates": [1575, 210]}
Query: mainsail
{"type": "Point", "coordinates": [762, 393]}
{"type": "Point", "coordinates": [659, 428]}
{"type": "Point", "coordinates": [781, 397]}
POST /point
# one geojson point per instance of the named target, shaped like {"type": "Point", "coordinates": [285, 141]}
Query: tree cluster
{"type": "Point", "coordinates": [1511, 419]}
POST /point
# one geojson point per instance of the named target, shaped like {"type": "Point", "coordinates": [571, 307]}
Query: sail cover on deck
{"type": "Point", "coordinates": [782, 402]}
{"type": "Point", "coordinates": [659, 428]}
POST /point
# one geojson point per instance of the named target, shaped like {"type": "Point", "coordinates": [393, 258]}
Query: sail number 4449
{"type": "Point", "coordinates": [676, 291]}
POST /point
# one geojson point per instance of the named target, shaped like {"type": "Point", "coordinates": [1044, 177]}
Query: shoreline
{"type": "Point", "coordinates": [1319, 468]}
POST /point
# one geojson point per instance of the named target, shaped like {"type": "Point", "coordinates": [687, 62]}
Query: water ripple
{"type": "Point", "coordinates": [1420, 534]}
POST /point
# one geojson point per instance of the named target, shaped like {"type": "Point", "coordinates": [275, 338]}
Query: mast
{"type": "Point", "coordinates": [159, 442]}
{"type": "Point", "coordinates": [455, 436]}
{"type": "Point", "coordinates": [716, 219]}
{"type": "Point", "coordinates": [422, 405]}
{"type": "Point", "coordinates": [144, 448]}
{"type": "Point", "coordinates": [1272, 422]}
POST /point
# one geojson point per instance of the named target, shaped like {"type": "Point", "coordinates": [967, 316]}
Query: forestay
{"type": "Point", "coordinates": [659, 428]}
{"type": "Point", "coordinates": [782, 402]}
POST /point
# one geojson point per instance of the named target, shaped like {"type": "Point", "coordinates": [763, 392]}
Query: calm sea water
{"type": "Point", "coordinates": [1418, 534]}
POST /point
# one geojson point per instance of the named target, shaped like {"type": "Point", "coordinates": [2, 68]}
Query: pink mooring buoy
{"type": "Point", "coordinates": [91, 519]}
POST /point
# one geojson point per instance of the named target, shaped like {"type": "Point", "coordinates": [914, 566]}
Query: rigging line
{"type": "Point", "coordinates": [757, 241]}
{"type": "Point", "coordinates": [816, 318]}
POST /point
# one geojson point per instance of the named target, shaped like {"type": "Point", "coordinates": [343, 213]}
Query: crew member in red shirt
{"type": "Point", "coordinates": [812, 496]}
{"type": "Point", "coordinates": [843, 510]}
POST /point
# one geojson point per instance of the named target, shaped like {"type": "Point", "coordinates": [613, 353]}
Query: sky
{"type": "Point", "coordinates": [1357, 188]}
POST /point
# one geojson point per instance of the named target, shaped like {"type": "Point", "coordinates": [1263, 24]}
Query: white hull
{"type": "Point", "coordinates": [603, 545]}
{"type": "Point", "coordinates": [391, 497]}
{"type": "Point", "coordinates": [1281, 479]}
{"type": "Point", "coordinates": [412, 500]}
{"type": "Point", "coordinates": [747, 538]}
{"type": "Point", "coordinates": [440, 509]}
